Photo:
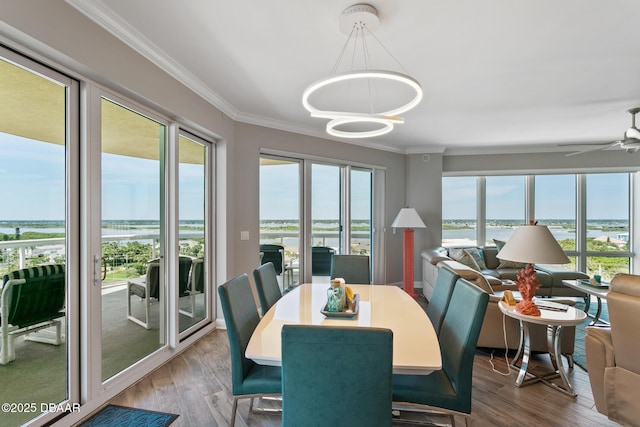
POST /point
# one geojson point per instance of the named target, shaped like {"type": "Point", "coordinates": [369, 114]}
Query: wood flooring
{"type": "Point", "coordinates": [196, 385]}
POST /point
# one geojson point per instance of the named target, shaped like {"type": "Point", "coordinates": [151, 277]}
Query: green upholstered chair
{"type": "Point", "coordinates": [195, 284]}
{"type": "Point", "coordinates": [248, 379]}
{"type": "Point", "coordinates": [441, 296]}
{"type": "Point", "coordinates": [184, 269]}
{"type": "Point", "coordinates": [267, 286]}
{"type": "Point", "coordinates": [32, 299]}
{"type": "Point", "coordinates": [274, 254]}
{"type": "Point", "coordinates": [321, 260]}
{"type": "Point", "coordinates": [449, 390]}
{"type": "Point", "coordinates": [354, 269]}
{"type": "Point", "coordinates": [336, 376]}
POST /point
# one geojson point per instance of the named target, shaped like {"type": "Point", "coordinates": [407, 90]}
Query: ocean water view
{"type": "Point", "coordinates": [464, 229]}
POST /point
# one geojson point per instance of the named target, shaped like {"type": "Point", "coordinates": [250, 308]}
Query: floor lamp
{"type": "Point", "coordinates": [408, 219]}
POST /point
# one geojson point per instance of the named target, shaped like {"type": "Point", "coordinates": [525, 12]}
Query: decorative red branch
{"type": "Point", "coordinates": [527, 285]}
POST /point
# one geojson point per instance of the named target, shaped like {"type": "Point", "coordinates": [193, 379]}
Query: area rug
{"type": "Point", "coordinates": [579, 354]}
{"type": "Point", "coordinates": [121, 416]}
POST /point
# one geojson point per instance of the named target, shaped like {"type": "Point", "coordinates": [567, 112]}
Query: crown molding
{"type": "Point", "coordinates": [102, 15]}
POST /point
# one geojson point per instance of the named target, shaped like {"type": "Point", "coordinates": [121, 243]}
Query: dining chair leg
{"type": "Point", "coordinates": [232, 421]}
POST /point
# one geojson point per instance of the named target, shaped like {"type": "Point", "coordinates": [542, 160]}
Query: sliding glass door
{"type": "Point", "coordinates": [195, 231]}
{"type": "Point", "coordinates": [280, 231]}
{"type": "Point", "coordinates": [336, 201]}
{"type": "Point", "coordinates": [326, 218]}
{"type": "Point", "coordinates": [133, 253]}
{"type": "Point", "coordinates": [38, 239]}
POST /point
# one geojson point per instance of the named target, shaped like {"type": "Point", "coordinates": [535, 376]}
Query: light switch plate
{"type": "Point", "coordinates": [244, 235]}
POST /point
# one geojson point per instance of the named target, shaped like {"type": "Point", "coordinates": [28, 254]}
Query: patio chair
{"type": "Point", "coordinates": [275, 254]}
{"type": "Point", "coordinates": [146, 287]}
{"type": "Point", "coordinates": [195, 284]}
{"type": "Point", "coordinates": [32, 299]}
{"type": "Point", "coordinates": [321, 260]}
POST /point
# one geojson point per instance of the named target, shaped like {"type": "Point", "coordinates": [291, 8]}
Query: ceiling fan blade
{"type": "Point", "coordinates": [585, 144]}
{"type": "Point", "coordinates": [600, 147]}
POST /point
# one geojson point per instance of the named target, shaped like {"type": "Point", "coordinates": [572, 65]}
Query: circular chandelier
{"type": "Point", "coordinates": [361, 20]}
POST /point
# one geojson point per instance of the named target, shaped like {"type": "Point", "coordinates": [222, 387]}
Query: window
{"type": "Point", "coordinates": [597, 243]}
{"type": "Point", "coordinates": [555, 207]}
{"type": "Point", "coordinates": [337, 202]}
{"type": "Point", "coordinates": [607, 224]}
{"type": "Point", "coordinates": [459, 211]}
{"type": "Point", "coordinates": [505, 206]}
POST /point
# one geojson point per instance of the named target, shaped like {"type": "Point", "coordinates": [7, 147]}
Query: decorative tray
{"type": "Point", "coordinates": [594, 284]}
{"type": "Point", "coordinates": [346, 313]}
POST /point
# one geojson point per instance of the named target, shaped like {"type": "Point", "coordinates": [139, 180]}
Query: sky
{"type": "Point", "coordinates": [33, 177]}
{"type": "Point", "coordinates": [280, 192]}
{"type": "Point", "coordinates": [607, 197]}
{"type": "Point", "coordinates": [33, 172]}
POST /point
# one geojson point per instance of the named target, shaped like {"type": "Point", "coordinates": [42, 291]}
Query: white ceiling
{"type": "Point", "coordinates": [498, 75]}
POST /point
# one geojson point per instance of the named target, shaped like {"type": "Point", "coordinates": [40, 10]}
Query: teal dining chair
{"type": "Point", "coordinates": [441, 296]}
{"type": "Point", "coordinates": [267, 286]}
{"type": "Point", "coordinates": [336, 376]}
{"type": "Point", "coordinates": [354, 269]}
{"type": "Point", "coordinates": [321, 260]}
{"type": "Point", "coordinates": [248, 379]}
{"type": "Point", "coordinates": [448, 391]}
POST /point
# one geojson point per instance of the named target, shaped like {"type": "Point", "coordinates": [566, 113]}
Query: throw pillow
{"type": "Point", "coordinates": [507, 264]}
{"type": "Point", "coordinates": [464, 258]}
{"type": "Point", "coordinates": [499, 244]}
{"type": "Point", "coordinates": [477, 256]}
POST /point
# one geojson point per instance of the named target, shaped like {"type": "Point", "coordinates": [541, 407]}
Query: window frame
{"type": "Point", "coordinates": [580, 253]}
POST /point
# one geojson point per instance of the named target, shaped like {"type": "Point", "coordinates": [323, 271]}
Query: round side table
{"type": "Point", "coordinates": [554, 316]}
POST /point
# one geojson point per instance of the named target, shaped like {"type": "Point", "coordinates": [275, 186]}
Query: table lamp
{"type": "Point", "coordinates": [408, 219]}
{"type": "Point", "coordinates": [531, 244]}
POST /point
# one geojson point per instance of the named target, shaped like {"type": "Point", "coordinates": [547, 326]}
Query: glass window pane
{"type": "Point", "coordinates": [459, 210]}
{"type": "Point", "coordinates": [555, 203]}
{"type": "Point", "coordinates": [33, 208]}
{"type": "Point", "coordinates": [192, 286]}
{"type": "Point", "coordinates": [608, 212]}
{"type": "Point", "coordinates": [607, 267]}
{"type": "Point", "coordinates": [280, 217]}
{"type": "Point", "coordinates": [133, 317]}
{"type": "Point", "coordinates": [505, 206]}
{"type": "Point", "coordinates": [361, 193]}
{"type": "Point", "coordinates": [326, 218]}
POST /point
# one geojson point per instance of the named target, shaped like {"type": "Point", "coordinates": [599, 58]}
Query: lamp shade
{"type": "Point", "coordinates": [533, 244]}
{"type": "Point", "coordinates": [408, 218]}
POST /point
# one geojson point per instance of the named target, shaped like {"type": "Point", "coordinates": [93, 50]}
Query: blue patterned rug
{"type": "Point", "coordinates": [579, 354]}
{"type": "Point", "coordinates": [121, 416]}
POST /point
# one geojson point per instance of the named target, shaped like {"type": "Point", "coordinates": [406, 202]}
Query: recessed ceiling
{"type": "Point", "coordinates": [498, 75]}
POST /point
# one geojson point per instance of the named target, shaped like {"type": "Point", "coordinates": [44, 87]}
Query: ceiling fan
{"type": "Point", "coordinates": [630, 142]}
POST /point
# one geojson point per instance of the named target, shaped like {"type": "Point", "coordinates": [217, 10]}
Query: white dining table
{"type": "Point", "coordinates": [415, 344]}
